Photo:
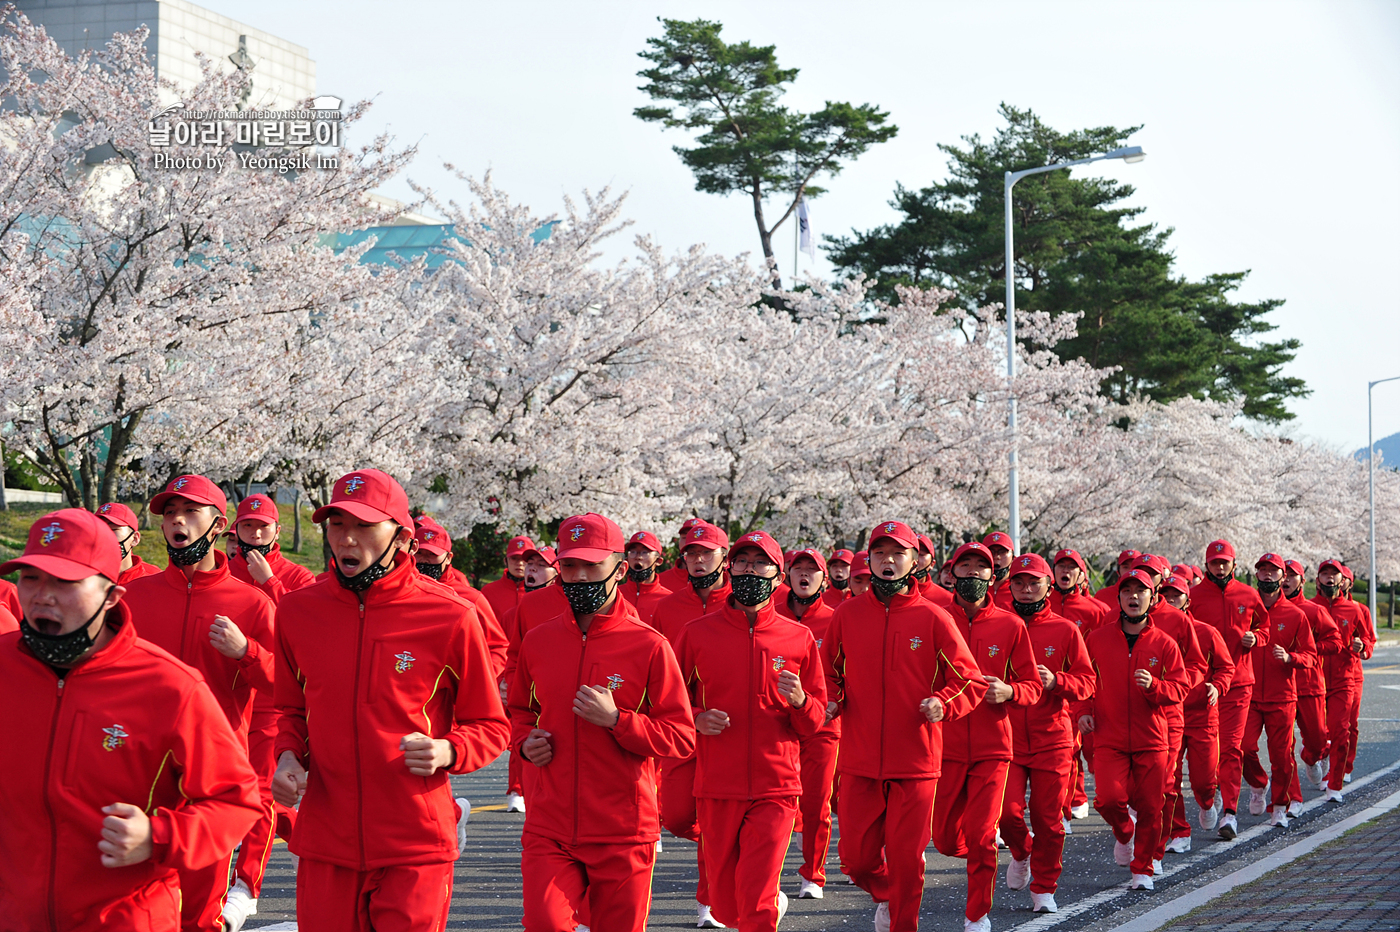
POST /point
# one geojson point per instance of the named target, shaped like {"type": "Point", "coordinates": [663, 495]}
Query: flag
{"type": "Point", "coordinates": [804, 225]}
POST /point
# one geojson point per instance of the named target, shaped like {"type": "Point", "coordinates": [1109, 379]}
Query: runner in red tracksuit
{"type": "Point", "coordinates": [596, 695]}
{"type": "Point", "coordinates": [897, 670]}
{"type": "Point", "coordinates": [433, 558]}
{"type": "Point", "coordinates": [1001, 549]}
{"type": "Point", "coordinates": [977, 750]}
{"type": "Point", "coordinates": [1311, 683]}
{"type": "Point", "coordinates": [1177, 625]}
{"type": "Point", "coordinates": [803, 602]}
{"type": "Point", "coordinates": [644, 588]}
{"type": "Point", "coordinates": [1343, 670]}
{"type": "Point", "coordinates": [1139, 672]}
{"type": "Point", "coordinates": [540, 601]}
{"type": "Point", "coordinates": [1042, 737]}
{"type": "Point", "coordinates": [504, 593]}
{"type": "Point", "coordinates": [121, 769]}
{"type": "Point", "coordinates": [838, 567]}
{"type": "Point", "coordinates": [221, 626]}
{"type": "Point", "coordinates": [1235, 611]}
{"type": "Point", "coordinates": [1069, 599]}
{"type": "Point", "coordinates": [384, 686]}
{"type": "Point", "coordinates": [677, 577]}
{"type": "Point", "coordinates": [756, 688]}
{"type": "Point", "coordinates": [1108, 595]}
{"type": "Point", "coordinates": [1201, 735]}
{"type": "Point", "coordinates": [125, 525]}
{"type": "Point", "coordinates": [860, 574]}
{"type": "Point", "coordinates": [1272, 708]}
{"type": "Point", "coordinates": [703, 550]}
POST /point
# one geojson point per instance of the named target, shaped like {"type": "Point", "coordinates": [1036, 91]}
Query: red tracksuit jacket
{"type": "Point", "coordinates": [355, 673]}
{"type": "Point", "coordinates": [729, 665]}
{"type": "Point", "coordinates": [931, 590]}
{"type": "Point", "coordinates": [1182, 629]}
{"type": "Point", "coordinates": [1309, 680]}
{"type": "Point", "coordinates": [1353, 621]}
{"type": "Point", "coordinates": [645, 597]}
{"type": "Point", "coordinates": [675, 578]}
{"type": "Point", "coordinates": [132, 724]}
{"type": "Point", "coordinates": [881, 662]}
{"type": "Point", "coordinates": [1220, 669]}
{"type": "Point", "coordinates": [504, 595]}
{"type": "Point", "coordinates": [1002, 647]}
{"type": "Point", "coordinates": [536, 607]}
{"type": "Point", "coordinates": [834, 597]}
{"type": "Point", "coordinates": [1233, 611]}
{"type": "Point", "coordinates": [174, 613]}
{"type": "Point", "coordinates": [497, 644]}
{"type": "Point", "coordinates": [286, 575]}
{"type": "Point", "coordinates": [9, 597]}
{"type": "Point", "coordinates": [817, 618]}
{"type": "Point", "coordinates": [1086, 612]}
{"type": "Point", "coordinates": [683, 606]}
{"type": "Point", "coordinates": [1127, 717]}
{"type": "Point", "coordinates": [1048, 725]}
{"type": "Point", "coordinates": [139, 568]}
{"type": "Point", "coordinates": [1273, 679]}
{"type": "Point", "coordinates": [599, 788]}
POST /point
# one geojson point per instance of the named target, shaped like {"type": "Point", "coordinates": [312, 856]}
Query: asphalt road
{"type": "Point", "coordinates": [486, 893]}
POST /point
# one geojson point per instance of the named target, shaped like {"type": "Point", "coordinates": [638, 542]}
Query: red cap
{"type": "Point", "coordinates": [1177, 582]}
{"type": "Point", "coordinates": [1182, 569]}
{"type": "Point", "coordinates": [71, 544]}
{"type": "Point", "coordinates": [843, 556]}
{"type": "Point", "coordinates": [369, 495]}
{"type": "Point", "coordinates": [257, 508]}
{"type": "Point", "coordinates": [811, 554]}
{"type": "Point", "coordinates": [1128, 556]}
{"type": "Point", "coordinates": [647, 539]}
{"type": "Point", "coordinates": [973, 546]}
{"type": "Point", "coordinates": [589, 537]}
{"type": "Point", "coordinates": [1074, 557]}
{"type": "Point", "coordinates": [1337, 565]}
{"type": "Point", "coordinates": [1270, 559]}
{"type": "Point", "coordinates": [860, 566]}
{"type": "Point", "coordinates": [997, 539]}
{"type": "Point", "coordinates": [1032, 564]}
{"type": "Point", "coordinates": [1156, 564]}
{"type": "Point", "coordinates": [196, 489]}
{"type": "Point", "coordinates": [1220, 549]}
{"type": "Point", "coordinates": [1346, 571]}
{"type": "Point", "coordinates": [1139, 575]}
{"type": "Point", "coordinates": [687, 524]}
{"type": "Point", "coordinates": [925, 544]}
{"type": "Point", "coordinates": [763, 541]}
{"type": "Point", "coordinates": [549, 554]}
{"type": "Point", "coordinates": [118, 515]}
{"type": "Point", "coordinates": [1293, 566]}
{"type": "Point", "coordinates": [897, 531]}
{"type": "Point", "coordinates": [519, 545]}
{"type": "Point", "coordinates": [704, 534]}
{"type": "Point", "coordinates": [432, 537]}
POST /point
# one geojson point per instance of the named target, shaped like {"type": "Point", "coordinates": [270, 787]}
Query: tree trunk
{"type": "Point", "coordinates": [4, 504]}
{"type": "Point", "coordinates": [765, 236]}
{"type": "Point", "coordinates": [1390, 609]}
{"type": "Point", "coordinates": [296, 519]}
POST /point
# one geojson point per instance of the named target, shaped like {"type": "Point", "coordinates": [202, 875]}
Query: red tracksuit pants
{"type": "Point", "coordinates": [276, 820]}
{"type": "Point", "coordinates": [1233, 710]}
{"type": "Point", "coordinates": [1357, 688]}
{"type": "Point", "coordinates": [680, 817]}
{"type": "Point", "coordinates": [885, 827]}
{"type": "Point", "coordinates": [818, 762]}
{"type": "Point", "coordinates": [1079, 761]}
{"type": "Point", "coordinates": [514, 766]}
{"type": "Point", "coordinates": [609, 883]}
{"type": "Point", "coordinates": [1200, 749]}
{"type": "Point", "coordinates": [1275, 721]}
{"type": "Point", "coordinates": [743, 845]}
{"type": "Point", "coordinates": [202, 895]}
{"type": "Point", "coordinates": [1137, 779]}
{"type": "Point", "coordinates": [1048, 776]}
{"type": "Point", "coordinates": [965, 814]}
{"type": "Point", "coordinates": [1171, 787]}
{"type": "Point", "coordinates": [408, 898]}
{"type": "Point", "coordinates": [1312, 725]}
{"type": "Point", "coordinates": [1343, 709]}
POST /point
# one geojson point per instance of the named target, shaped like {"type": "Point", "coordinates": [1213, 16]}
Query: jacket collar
{"type": "Point", "coordinates": [897, 602]}
{"type": "Point", "coordinates": [620, 613]}
{"type": "Point", "coordinates": [121, 643]}
{"type": "Point", "coordinates": [718, 595]}
{"type": "Point", "coordinates": [402, 582]}
{"type": "Point", "coordinates": [201, 579]}
{"type": "Point", "coordinates": [766, 617]}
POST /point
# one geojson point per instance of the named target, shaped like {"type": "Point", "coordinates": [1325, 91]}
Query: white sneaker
{"type": "Point", "coordinates": [1279, 818]}
{"type": "Point", "coordinates": [978, 925]}
{"type": "Point", "coordinates": [782, 906]}
{"type": "Point", "coordinates": [1346, 777]}
{"type": "Point", "coordinates": [515, 803]}
{"type": "Point", "coordinates": [1332, 796]}
{"type": "Point", "coordinates": [703, 919]}
{"type": "Point", "coordinates": [1326, 763]}
{"type": "Point", "coordinates": [238, 907]}
{"type": "Point", "coordinates": [1229, 827]}
{"type": "Point", "coordinates": [1132, 814]}
{"type": "Point", "coordinates": [1156, 868]}
{"type": "Point", "coordinates": [1180, 844]}
{"type": "Point", "coordinates": [464, 814]}
{"type": "Point", "coordinates": [810, 891]}
{"type": "Point", "coordinates": [1080, 811]}
{"type": "Point", "coordinates": [658, 846]}
{"type": "Point", "coordinates": [1018, 873]}
{"type": "Point", "coordinates": [1257, 799]}
{"type": "Point", "coordinates": [1140, 882]}
{"type": "Point", "coordinates": [797, 840]}
{"type": "Point", "coordinates": [1043, 903]}
{"type": "Point", "coordinates": [1208, 818]}
{"type": "Point", "coordinates": [582, 928]}
{"type": "Point", "coordinates": [1123, 852]}
{"type": "Point", "coordinates": [1000, 843]}
{"type": "Point", "coordinates": [1314, 773]}
{"type": "Point", "coordinates": [1068, 826]}
{"type": "Point", "coordinates": [882, 917]}
{"type": "Point", "coordinates": [1295, 809]}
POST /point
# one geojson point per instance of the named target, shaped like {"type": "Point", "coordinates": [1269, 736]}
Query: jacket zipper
{"type": "Point", "coordinates": [578, 678]}
{"type": "Point", "coordinates": [185, 626]}
{"type": "Point", "coordinates": [753, 702]}
{"type": "Point", "coordinates": [884, 685]}
{"type": "Point", "coordinates": [48, 804]}
{"type": "Point", "coordinates": [359, 775]}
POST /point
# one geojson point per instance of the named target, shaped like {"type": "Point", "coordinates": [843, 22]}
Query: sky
{"type": "Point", "coordinates": [1272, 128]}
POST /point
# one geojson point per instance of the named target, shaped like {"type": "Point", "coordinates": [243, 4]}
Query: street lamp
{"type": "Point", "coordinates": [1371, 464]}
{"type": "Point", "coordinates": [1129, 154]}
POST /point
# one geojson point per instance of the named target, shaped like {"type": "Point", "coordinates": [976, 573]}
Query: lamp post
{"type": "Point", "coordinates": [1371, 468]}
{"type": "Point", "coordinates": [1128, 154]}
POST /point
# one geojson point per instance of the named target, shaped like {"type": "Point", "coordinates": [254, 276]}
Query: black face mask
{"type": "Point", "coordinates": [263, 549]}
{"type": "Point", "coordinates": [751, 590]}
{"type": "Point", "coordinates": [194, 551]}
{"type": "Point", "coordinates": [920, 575]}
{"type": "Point", "coordinates": [1125, 618]}
{"type": "Point", "coordinates": [432, 570]}
{"type": "Point", "coordinates": [805, 601]}
{"type": "Point", "coordinates": [1064, 592]}
{"type": "Point", "coordinates": [1220, 583]}
{"type": "Point", "coordinates": [971, 589]}
{"type": "Point", "coordinates": [586, 598]}
{"type": "Point", "coordinates": [1329, 591]}
{"type": "Point", "coordinates": [641, 576]}
{"type": "Point", "coordinates": [1268, 588]}
{"type": "Point", "coordinates": [370, 574]}
{"type": "Point", "coordinates": [889, 587]}
{"type": "Point", "coordinates": [840, 584]}
{"type": "Point", "coordinates": [60, 650]}
{"type": "Point", "coordinates": [1001, 572]}
{"type": "Point", "coordinates": [1027, 609]}
{"type": "Point", "coordinates": [126, 551]}
{"type": "Point", "coordinates": [706, 581]}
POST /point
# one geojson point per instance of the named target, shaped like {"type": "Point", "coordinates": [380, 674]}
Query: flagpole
{"type": "Point", "coordinates": [796, 231]}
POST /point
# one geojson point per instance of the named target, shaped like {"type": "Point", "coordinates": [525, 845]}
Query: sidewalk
{"type": "Point", "coordinates": [1349, 883]}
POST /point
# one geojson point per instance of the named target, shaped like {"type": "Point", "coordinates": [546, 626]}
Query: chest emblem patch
{"type": "Point", "coordinates": [403, 662]}
{"type": "Point", "coordinates": [1152, 662]}
{"type": "Point", "coordinates": [1239, 609]}
{"type": "Point", "coordinates": [116, 737]}
{"type": "Point", "coordinates": [915, 642]}
{"type": "Point", "coordinates": [1050, 650]}
{"type": "Point", "coordinates": [993, 651]}
{"type": "Point", "coordinates": [779, 662]}
{"type": "Point", "coordinates": [1280, 626]}
{"type": "Point", "coordinates": [614, 683]}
